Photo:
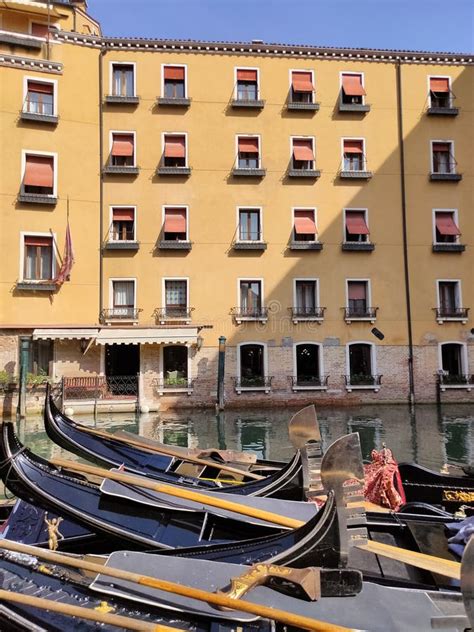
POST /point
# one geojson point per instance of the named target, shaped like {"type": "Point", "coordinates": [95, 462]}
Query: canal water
{"type": "Point", "coordinates": [430, 436]}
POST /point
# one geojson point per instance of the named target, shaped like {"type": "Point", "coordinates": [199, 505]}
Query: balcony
{"type": "Point", "coordinates": [359, 381]}
{"type": "Point", "coordinates": [443, 111]}
{"type": "Point", "coordinates": [124, 170]}
{"type": "Point", "coordinates": [367, 314]}
{"type": "Point", "coordinates": [315, 314]}
{"type": "Point", "coordinates": [241, 314]}
{"type": "Point", "coordinates": [353, 174]}
{"type": "Point", "coordinates": [174, 383]}
{"type": "Point", "coordinates": [249, 245]}
{"type": "Point", "coordinates": [257, 104]}
{"type": "Point", "coordinates": [16, 39]}
{"type": "Point", "coordinates": [115, 99]}
{"type": "Point", "coordinates": [447, 176]}
{"type": "Point", "coordinates": [173, 314]}
{"type": "Point", "coordinates": [37, 286]}
{"type": "Point", "coordinates": [175, 244]}
{"type": "Point", "coordinates": [39, 117]}
{"type": "Point", "coordinates": [302, 105]}
{"type": "Point", "coordinates": [354, 107]}
{"type": "Point", "coordinates": [182, 102]}
{"type": "Point", "coordinates": [305, 245]}
{"type": "Point", "coordinates": [37, 198]}
{"type": "Point", "coordinates": [304, 173]}
{"type": "Point", "coordinates": [358, 246]}
{"type": "Point", "coordinates": [448, 381]}
{"type": "Point", "coordinates": [442, 106]}
{"type": "Point", "coordinates": [252, 172]}
{"type": "Point", "coordinates": [253, 383]}
{"type": "Point", "coordinates": [163, 170]}
{"type": "Point", "coordinates": [121, 244]}
{"type": "Point", "coordinates": [448, 247]}
{"type": "Point", "coordinates": [119, 315]}
{"type": "Point", "coordinates": [455, 314]}
{"type": "Point", "coordinates": [309, 382]}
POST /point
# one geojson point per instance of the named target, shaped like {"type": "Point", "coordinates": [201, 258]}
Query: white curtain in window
{"type": "Point", "coordinates": [176, 293]}
{"type": "Point", "coordinates": [124, 294]}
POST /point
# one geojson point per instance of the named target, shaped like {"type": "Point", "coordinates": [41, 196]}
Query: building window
{"type": "Point", "coordinates": [440, 92]}
{"type": "Point", "coordinates": [357, 298]}
{"type": "Point", "coordinates": [352, 89]}
{"type": "Point", "coordinates": [175, 366]}
{"type": "Point", "coordinates": [304, 225]}
{"type": "Point", "coordinates": [248, 152]}
{"type": "Point", "coordinates": [443, 157]}
{"type": "Point", "coordinates": [41, 357]}
{"type": "Point", "coordinates": [38, 258]}
{"type": "Point", "coordinates": [251, 298]}
{"type": "Point", "coordinates": [123, 224]}
{"type": "Point", "coordinates": [39, 98]}
{"type": "Point", "coordinates": [353, 155]}
{"type": "Point", "coordinates": [302, 88]}
{"type": "Point", "coordinates": [446, 228]}
{"type": "Point", "coordinates": [449, 299]}
{"type": "Point", "coordinates": [175, 225]}
{"type": "Point", "coordinates": [306, 297]}
{"type": "Point", "coordinates": [175, 150]}
{"type": "Point", "coordinates": [303, 154]}
{"type": "Point", "coordinates": [39, 30]}
{"type": "Point", "coordinates": [252, 365]}
{"type": "Point", "coordinates": [361, 365]}
{"type": "Point", "coordinates": [308, 371]}
{"type": "Point", "coordinates": [453, 363]}
{"type": "Point", "coordinates": [174, 82]}
{"type": "Point", "coordinates": [176, 298]}
{"type": "Point", "coordinates": [123, 150]}
{"type": "Point", "coordinates": [123, 299]}
{"type": "Point", "coordinates": [123, 81]}
{"type": "Point", "coordinates": [250, 225]}
{"type": "Point", "coordinates": [38, 178]}
{"type": "Point", "coordinates": [247, 84]}
{"type": "Point", "coordinates": [356, 229]}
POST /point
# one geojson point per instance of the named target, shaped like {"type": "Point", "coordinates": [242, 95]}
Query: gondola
{"type": "Point", "coordinates": [344, 599]}
{"type": "Point", "coordinates": [421, 485]}
{"type": "Point", "coordinates": [123, 522]}
{"type": "Point", "coordinates": [285, 481]}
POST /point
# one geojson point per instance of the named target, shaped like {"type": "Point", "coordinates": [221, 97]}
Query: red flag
{"type": "Point", "coordinates": [68, 260]}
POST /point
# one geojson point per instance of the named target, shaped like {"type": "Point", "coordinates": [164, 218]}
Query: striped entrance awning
{"type": "Point", "coordinates": [133, 336]}
{"type": "Point", "coordinates": [64, 334]}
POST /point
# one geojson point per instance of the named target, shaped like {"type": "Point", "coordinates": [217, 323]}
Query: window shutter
{"type": "Point", "coordinates": [353, 147]}
{"type": "Point", "coordinates": [446, 225]}
{"type": "Point", "coordinates": [355, 223]}
{"type": "Point", "coordinates": [352, 85]}
{"type": "Point", "coordinates": [39, 171]}
{"type": "Point", "coordinates": [303, 149]}
{"type": "Point", "coordinates": [357, 290]}
{"type": "Point", "coordinates": [175, 220]}
{"type": "Point", "coordinates": [175, 146]}
{"type": "Point", "coordinates": [40, 87]}
{"type": "Point", "coordinates": [304, 222]}
{"type": "Point", "coordinates": [302, 82]}
{"type": "Point", "coordinates": [122, 145]}
{"type": "Point", "coordinates": [175, 73]}
{"type": "Point", "coordinates": [439, 84]}
{"type": "Point", "coordinates": [36, 240]}
{"type": "Point", "coordinates": [248, 145]}
{"type": "Point", "coordinates": [123, 214]}
{"type": "Point", "coordinates": [246, 75]}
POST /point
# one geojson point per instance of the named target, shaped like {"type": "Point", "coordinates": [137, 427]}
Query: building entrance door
{"type": "Point", "coordinates": [122, 364]}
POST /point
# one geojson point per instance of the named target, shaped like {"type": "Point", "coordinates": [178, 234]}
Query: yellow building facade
{"type": "Point", "coordinates": [313, 206]}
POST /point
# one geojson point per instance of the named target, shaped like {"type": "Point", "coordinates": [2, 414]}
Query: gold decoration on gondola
{"type": "Point", "coordinates": [54, 535]}
{"type": "Point", "coordinates": [457, 495]}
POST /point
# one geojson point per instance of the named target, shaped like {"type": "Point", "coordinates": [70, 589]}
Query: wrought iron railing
{"type": "Point", "coordinates": [250, 313]}
{"type": "Point", "coordinates": [173, 383]}
{"type": "Point", "coordinates": [162, 314]}
{"type": "Point", "coordinates": [308, 381]}
{"type": "Point", "coordinates": [100, 387]}
{"type": "Point", "coordinates": [352, 313]}
{"type": "Point", "coordinates": [119, 313]}
{"type": "Point", "coordinates": [451, 312]}
{"type": "Point", "coordinates": [254, 381]}
{"type": "Point", "coordinates": [450, 379]}
{"type": "Point", "coordinates": [307, 312]}
{"type": "Point", "coordinates": [360, 379]}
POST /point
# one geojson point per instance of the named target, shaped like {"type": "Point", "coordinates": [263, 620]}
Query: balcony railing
{"type": "Point", "coordinates": [37, 286]}
{"type": "Point", "coordinates": [450, 174]}
{"type": "Point", "coordinates": [165, 170]}
{"type": "Point", "coordinates": [296, 244]}
{"type": "Point", "coordinates": [442, 105]}
{"type": "Point", "coordinates": [252, 172]}
{"type": "Point", "coordinates": [120, 99]}
{"type": "Point", "coordinates": [174, 101]}
{"type": "Point", "coordinates": [358, 246]}
{"type": "Point", "coordinates": [307, 313]}
{"type": "Point", "coordinates": [100, 387]}
{"type": "Point", "coordinates": [124, 170]}
{"type": "Point", "coordinates": [363, 381]}
{"type": "Point", "coordinates": [249, 244]}
{"type": "Point", "coordinates": [243, 101]}
{"type": "Point", "coordinates": [448, 246]}
{"type": "Point", "coordinates": [119, 314]}
{"type": "Point", "coordinates": [175, 244]}
{"type": "Point", "coordinates": [451, 313]}
{"type": "Point", "coordinates": [45, 116]}
{"type": "Point", "coordinates": [449, 380]}
{"type": "Point", "coordinates": [309, 382]}
{"type": "Point", "coordinates": [174, 384]}
{"type": "Point", "coordinates": [355, 174]}
{"type": "Point", "coordinates": [172, 313]}
{"type": "Point", "coordinates": [250, 313]}
{"type": "Point", "coordinates": [253, 383]}
{"type": "Point", "coordinates": [130, 243]}
{"type": "Point", "coordinates": [367, 313]}
{"type": "Point", "coordinates": [37, 198]}
{"type": "Point", "coordinates": [353, 107]}
{"type": "Point", "coordinates": [303, 173]}
{"type": "Point", "coordinates": [302, 105]}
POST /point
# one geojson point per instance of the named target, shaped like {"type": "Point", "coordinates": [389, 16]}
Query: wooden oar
{"type": "Point", "coordinates": [217, 599]}
{"type": "Point", "coordinates": [170, 452]}
{"type": "Point", "coordinates": [179, 492]}
{"type": "Point", "coordinates": [83, 613]}
{"type": "Point", "coordinates": [414, 558]}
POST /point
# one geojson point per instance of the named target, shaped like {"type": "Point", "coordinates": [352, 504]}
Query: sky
{"type": "Point", "coordinates": [435, 25]}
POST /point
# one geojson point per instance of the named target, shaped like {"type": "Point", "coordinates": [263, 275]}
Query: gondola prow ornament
{"type": "Point", "coordinates": [54, 535]}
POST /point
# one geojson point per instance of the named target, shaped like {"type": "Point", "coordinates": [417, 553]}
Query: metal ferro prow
{"type": "Point", "coordinates": [342, 471]}
{"type": "Point", "coordinates": [303, 427]}
{"type": "Point", "coordinates": [307, 578]}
